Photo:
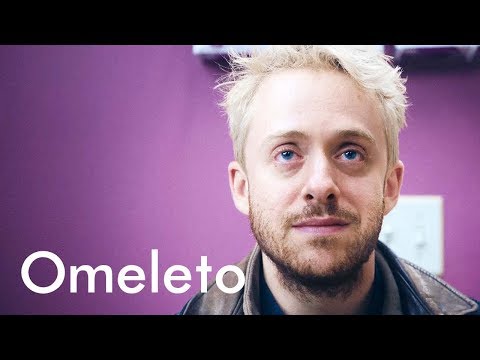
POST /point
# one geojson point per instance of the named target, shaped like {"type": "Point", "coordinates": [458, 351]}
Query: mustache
{"type": "Point", "coordinates": [321, 210]}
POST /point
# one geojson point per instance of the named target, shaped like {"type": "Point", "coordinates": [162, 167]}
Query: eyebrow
{"type": "Point", "coordinates": [286, 134]}
{"type": "Point", "coordinates": [357, 133]}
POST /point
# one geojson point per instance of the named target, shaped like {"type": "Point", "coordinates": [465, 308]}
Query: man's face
{"type": "Point", "coordinates": [316, 163]}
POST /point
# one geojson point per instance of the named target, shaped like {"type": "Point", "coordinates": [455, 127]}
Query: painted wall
{"type": "Point", "coordinates": [438, 148]}
{"type": "Point", "coordinates": [108, 152]}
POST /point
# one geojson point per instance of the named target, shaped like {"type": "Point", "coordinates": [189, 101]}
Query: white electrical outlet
{"type": "Point", "coordinates": [414, 231]}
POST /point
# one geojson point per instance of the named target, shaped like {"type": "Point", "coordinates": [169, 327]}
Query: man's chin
{"type": "Point", "coordinates": [320, 249]}
{"type": "Point", "coordinates": [318, 242]}
{"type": "Point", "coordinates": [324, 271]}
{"type": "Point", "coordinates": [321, 264]}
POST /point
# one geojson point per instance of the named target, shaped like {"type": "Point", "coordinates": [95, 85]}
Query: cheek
{"type": "Point", "coordinates": [273, 192]}
{"type": "Point", "coordinates": [363, 192]}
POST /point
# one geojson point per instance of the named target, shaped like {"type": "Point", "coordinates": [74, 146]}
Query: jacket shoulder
{"type": "Point", "coordinates": [215, 301]}
{"type": "Point", "coordinates": [440, 296]}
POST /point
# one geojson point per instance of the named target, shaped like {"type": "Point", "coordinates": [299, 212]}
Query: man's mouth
{"type": "Point", "coordinates": [321, 225]}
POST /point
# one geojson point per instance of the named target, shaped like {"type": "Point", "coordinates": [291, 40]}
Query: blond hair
{"type": "Point", "coordinates": [371, 70]}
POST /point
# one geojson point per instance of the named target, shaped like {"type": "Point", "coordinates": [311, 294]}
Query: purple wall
{"type": "Point", "coordinates": [438, 148]}
{"type": "Point", "coordinates": [107, 152]}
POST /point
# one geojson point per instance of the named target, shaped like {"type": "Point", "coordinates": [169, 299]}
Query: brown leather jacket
{"type": "Point", "coordinates": [408, 290]}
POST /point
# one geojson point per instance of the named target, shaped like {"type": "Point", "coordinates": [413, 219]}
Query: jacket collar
{"type": "Point", "coordinates": [251, 295]}
{"type": "Point", "coordinates": [423, 293]}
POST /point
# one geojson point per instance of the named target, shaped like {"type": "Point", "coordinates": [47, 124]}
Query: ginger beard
{"type": "Point", "coordinates": [307, 274]}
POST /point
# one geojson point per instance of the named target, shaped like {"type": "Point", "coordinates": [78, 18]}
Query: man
{"type": "Point", "coordinates": [315, 135]}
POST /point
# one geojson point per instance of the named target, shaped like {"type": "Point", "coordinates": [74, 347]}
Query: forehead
{"type": "Point", "coordinates": [313, 102]}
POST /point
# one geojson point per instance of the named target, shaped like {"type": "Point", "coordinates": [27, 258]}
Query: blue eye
{"type": "Point", "coordinates": [287, 155]}
{"type": "Point", "coordinates": [350, 154]}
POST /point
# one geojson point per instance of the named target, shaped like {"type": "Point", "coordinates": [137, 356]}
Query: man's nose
{"type": "Point", "coordinates": [320, 185]}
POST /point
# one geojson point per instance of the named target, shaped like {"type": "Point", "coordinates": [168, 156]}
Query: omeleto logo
{"type": "Point", "coordinates": [123, 278]}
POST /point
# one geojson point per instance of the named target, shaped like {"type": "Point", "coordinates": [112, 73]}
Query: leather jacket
{"type": "Point", "coordinates": [408, 290]}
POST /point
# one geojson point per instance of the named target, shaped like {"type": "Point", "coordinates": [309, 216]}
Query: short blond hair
{"type": "Point", "coordinates": [371, 70]}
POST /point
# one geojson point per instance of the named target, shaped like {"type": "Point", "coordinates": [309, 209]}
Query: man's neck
{"type": "Point", "coordinates": [293, 304]}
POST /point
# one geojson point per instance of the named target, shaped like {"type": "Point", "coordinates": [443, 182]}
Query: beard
{"type": "Point", "coordinates": [310, 277]}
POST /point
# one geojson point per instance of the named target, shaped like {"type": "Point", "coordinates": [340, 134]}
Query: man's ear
{"type": "Point", "coordinates": [393, 184]}
{"type": "Point", "coordinates": [238, 186]}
